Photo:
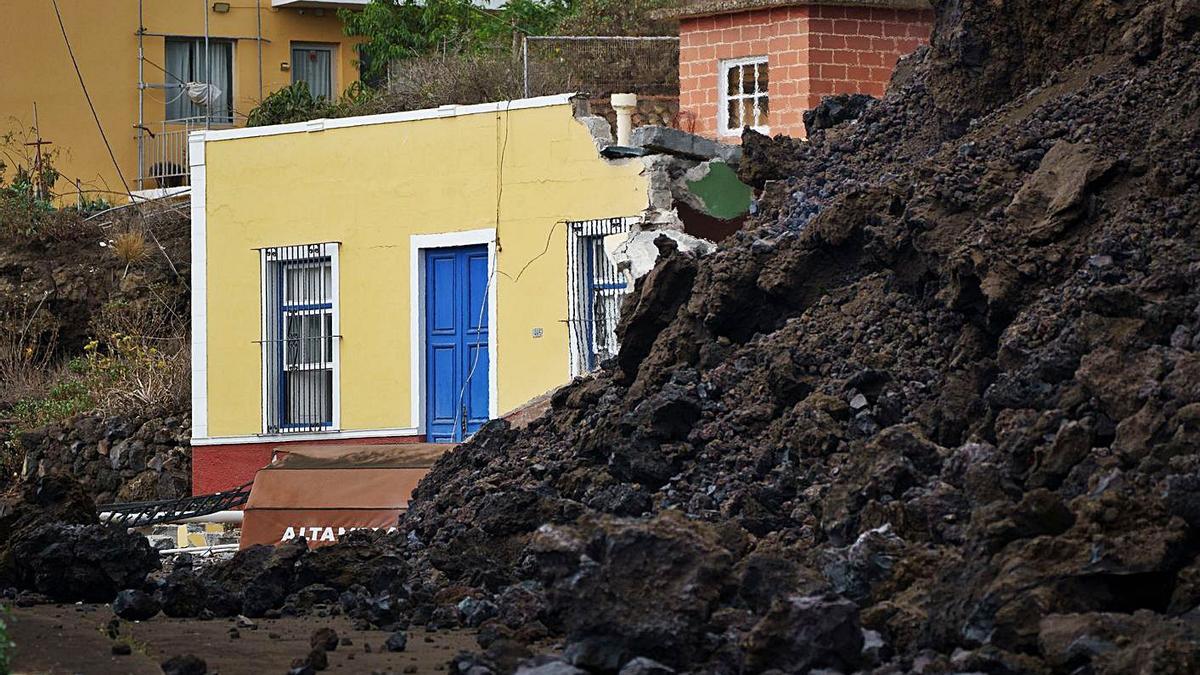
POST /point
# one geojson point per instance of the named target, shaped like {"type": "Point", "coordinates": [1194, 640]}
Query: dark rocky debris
{"type": "Point", "coordinates": [936, 410]}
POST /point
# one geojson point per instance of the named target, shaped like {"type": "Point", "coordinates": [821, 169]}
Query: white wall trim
{"type": "Point", "coordinates": [199, 283]}
{"type": "Point", "coordinates": [309, 436]}
{"type": "Point", "coordinates": [336, 291]}
{"type": "Point", "coordinates": [319, 125]}
{"type": "Point", "coordinates": [416, 284]}
{"type": "Point", "coordinates": [264, 355]}
{"type": "Point", "coordinates": [153, 194]}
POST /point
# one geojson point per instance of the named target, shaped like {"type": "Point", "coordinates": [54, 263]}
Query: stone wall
{"type": "Point", "coordinates": [116, 459]}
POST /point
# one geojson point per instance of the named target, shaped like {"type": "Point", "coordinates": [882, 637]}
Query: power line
{"type": "Point", "coordinates": [111, 155]}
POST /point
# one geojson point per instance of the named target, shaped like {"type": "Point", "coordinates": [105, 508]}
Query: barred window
{"type": "Point", "coordinates": [300, 341]}
{"type": "Point", "coordinates": [596, 290]}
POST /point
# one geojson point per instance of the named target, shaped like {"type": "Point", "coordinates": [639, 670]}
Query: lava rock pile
{"type": "Point", "coordinates": [52, 545]}
{"type": "Point", "coordinates": [937, 409]}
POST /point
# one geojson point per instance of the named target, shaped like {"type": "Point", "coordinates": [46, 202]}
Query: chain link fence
{"type": "Point", "coordinates": [600, 65]}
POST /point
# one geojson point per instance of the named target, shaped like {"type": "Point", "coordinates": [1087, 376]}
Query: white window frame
{"type": "Point", "coordinates": [418, 245]}
{"type": "Point", "coordinates": [332, 250]}
{"type": "Point", "coordinates": [724, 96]}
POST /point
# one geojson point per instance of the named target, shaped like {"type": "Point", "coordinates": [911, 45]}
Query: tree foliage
{"type": "Point", "coordinates": [405, 29]}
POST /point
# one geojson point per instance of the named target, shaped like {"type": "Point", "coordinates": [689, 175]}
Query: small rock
{"type": "Point", "coordinates": [318, 659]}
{"type": "Point", "coordinates": [234, 634]}
{"type": "Point", "coordinates": [135, 605]}
{"type": "Point", "coordinates": [324, 638]}
{"type": "Point", "coordinates": [644, 666]}
{"type": "Point", "coordinates": [396, 642]}
{"type": "Point", "coordinates": [551, 668]}
{"type": "Point", "coordinates": [121, 649]}
{"type": "Point", "coordinates": [186, 664]}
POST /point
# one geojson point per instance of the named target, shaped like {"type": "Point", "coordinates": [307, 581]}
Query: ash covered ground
{"type": "Point", "coordinates": [937, 409]}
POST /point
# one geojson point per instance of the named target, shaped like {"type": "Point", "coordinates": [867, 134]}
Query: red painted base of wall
{"type": "Point", "coordinates": [221, 467]}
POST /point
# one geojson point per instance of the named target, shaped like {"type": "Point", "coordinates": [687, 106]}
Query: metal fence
{"type": "Point", "coordinates": [595, 291]}
{"type": "Point", "coordinates": [163, 153]}
{"type": "Point", "coordinates": [600, 64]}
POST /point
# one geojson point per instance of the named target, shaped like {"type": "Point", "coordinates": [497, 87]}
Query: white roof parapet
{"type": "Point", "coordinates": [386, 118]}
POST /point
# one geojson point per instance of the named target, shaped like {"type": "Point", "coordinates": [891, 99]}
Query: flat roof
{"type": "Point", "coordinates": [698, 8]}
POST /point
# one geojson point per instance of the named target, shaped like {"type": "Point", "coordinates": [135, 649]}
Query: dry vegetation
{"type": "Point", "coordinates": [94, 313]}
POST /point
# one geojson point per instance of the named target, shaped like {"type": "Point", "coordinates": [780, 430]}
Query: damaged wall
{"type": "Point", "coordinates": [521, 170]}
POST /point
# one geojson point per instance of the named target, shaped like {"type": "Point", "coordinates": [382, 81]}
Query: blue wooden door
{"type": "Point", "coordinates": [456, 342]}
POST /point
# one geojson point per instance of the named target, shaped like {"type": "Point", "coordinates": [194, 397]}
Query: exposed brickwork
{"type": "Point", "coordinates": [812, 51]}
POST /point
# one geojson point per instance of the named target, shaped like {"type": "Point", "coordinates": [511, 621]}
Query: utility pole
{"type": "Point", "coordinates": [40, 189]}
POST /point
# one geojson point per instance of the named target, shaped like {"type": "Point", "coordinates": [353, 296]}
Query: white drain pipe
{"type": "Point", "coordinates": [624, 104]}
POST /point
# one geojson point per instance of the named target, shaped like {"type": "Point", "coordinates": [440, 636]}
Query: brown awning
{"type": "Point", "coordinates": [320, 492]}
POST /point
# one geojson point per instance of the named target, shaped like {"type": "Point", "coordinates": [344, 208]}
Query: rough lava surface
{"type": "Point", "coordinates": [937, 409]}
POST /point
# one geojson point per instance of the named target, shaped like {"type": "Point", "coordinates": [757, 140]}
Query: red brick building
{"type": "Point", "coordinates": [762, 63]}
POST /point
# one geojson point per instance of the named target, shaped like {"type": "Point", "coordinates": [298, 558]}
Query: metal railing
{"type": "Point", "coordinates": [163, 153]}
{"type": "Point", "coordinates": [141, 514]}
{"type": "Point", "coordinates": [300, 341]}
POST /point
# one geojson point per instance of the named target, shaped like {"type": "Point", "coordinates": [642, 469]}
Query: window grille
{"type": "Point", "coordinates": [300, 340]}
{"type": "Point", "coordinates": [744, 96]}
{"type": "Point", "coordinates": [595, 291]}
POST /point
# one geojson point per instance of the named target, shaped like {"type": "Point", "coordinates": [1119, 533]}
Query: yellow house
{"type": "Point", "coordinates": [396, 277]}
{"type": "Point", "coordinates": [146, 64]}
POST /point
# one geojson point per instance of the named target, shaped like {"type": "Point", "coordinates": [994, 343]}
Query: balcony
{"type": "Point", "coordinates": [163, 156]}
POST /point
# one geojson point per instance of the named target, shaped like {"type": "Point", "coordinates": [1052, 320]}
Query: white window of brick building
{"type": "Point", "coordinates": [743, 95]}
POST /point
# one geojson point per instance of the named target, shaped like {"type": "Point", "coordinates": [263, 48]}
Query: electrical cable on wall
{"type": "Point", "coordinates": [71, 52]}
{"type": "Point", "coordinates": [459, 409]}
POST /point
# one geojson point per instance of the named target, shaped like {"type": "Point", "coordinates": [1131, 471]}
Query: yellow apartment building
{"type": "Point", "coordinates": [155, 71]}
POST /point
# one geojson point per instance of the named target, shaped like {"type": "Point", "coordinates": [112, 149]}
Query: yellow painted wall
{"type": "Point", "coordinates": [35, 67]}
{"type": "Point", "coordinates": [370, 188]}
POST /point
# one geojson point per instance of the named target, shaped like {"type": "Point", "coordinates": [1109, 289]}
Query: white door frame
{"type": "Point", "coordinates": [418, 243]}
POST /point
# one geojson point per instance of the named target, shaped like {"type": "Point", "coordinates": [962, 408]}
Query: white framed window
{"type": "Point", "coordinates": [744, 101]}
{"type": "Point", "coordinates": [300, 345]}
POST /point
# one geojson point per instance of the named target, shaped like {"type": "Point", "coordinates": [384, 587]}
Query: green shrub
{"type": "Point", "coordinates": [64, 399]}
{"type": "Point", "coordinates": [296, 103]}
